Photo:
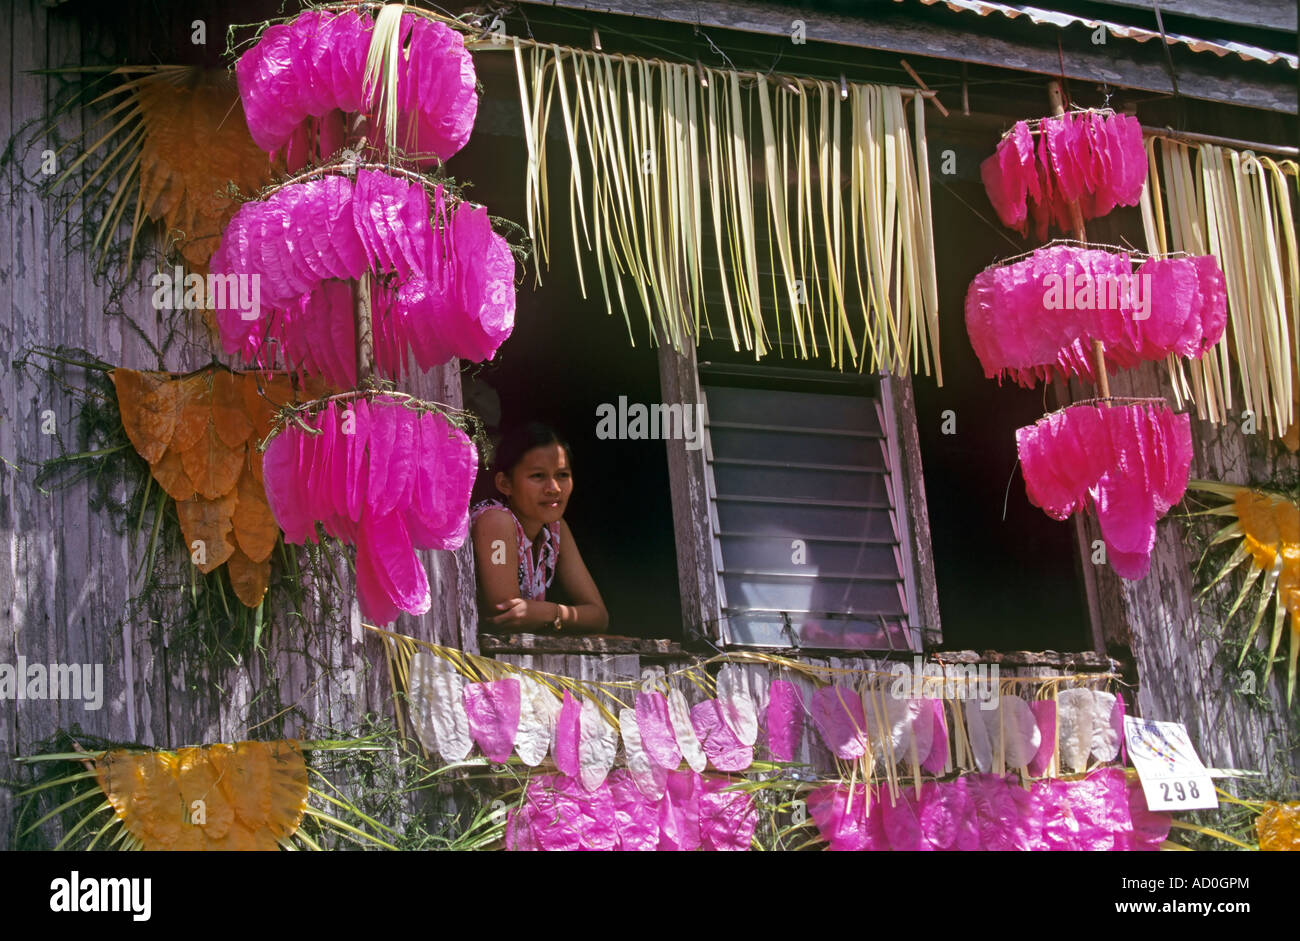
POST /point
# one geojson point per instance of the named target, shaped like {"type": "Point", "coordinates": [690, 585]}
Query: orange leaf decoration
{"type": "Point", "coordinates": [208, 522]}
{"type": "Point", "coordinates": [264, 397]}
{"type": "Point", "coordinates": [200, 435]}
{"type": "Point", "coordinates": [228, 417]}
{"type": "Point", "coordinates": [248, 578]}
{"type": "Point", "coordinates": [1278, 827]}
{"type": "Point", "coordinates": [148, 405]}
{"type": "Point", "coordinates": [245, 796]}
{"type": "Point", "coordinates": [212, 465]}
{"type": "Point", "coordinates": [194, 398]}
{"type": "Point", "coordinates": [170, 474]}
{"type": "Point", "coordinates": [196, 143]}
{"type": "Point", "coordinates": [255, 528]}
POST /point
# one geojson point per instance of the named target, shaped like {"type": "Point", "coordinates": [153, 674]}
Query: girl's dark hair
{"type": "Point", "coordinates": [521, 439]}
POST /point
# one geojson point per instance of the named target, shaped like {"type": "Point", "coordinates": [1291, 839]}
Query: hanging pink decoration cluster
{"type": "Point", "coordinates": [694, 813]}
{"type": "Point", "coordinates": [1088, 157]}
{"type": "Point", "coordinates": [1039, 316]}
{"type": "Point", "coordinates": [314, 68]}
{"type": "Point", "coordinates": [447, 287]}
{"type": "Point", "coordinates": [992, 812]}
{"type": "Point", "coordinates": [1130, 462]}
{"type": "Point", "coordinates": [383, 477]}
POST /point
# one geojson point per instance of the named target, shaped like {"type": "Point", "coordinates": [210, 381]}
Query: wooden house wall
{"type": "Point", "coordinates": [65, 575]}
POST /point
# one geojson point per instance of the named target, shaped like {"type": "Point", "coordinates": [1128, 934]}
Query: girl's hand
{"type": "Point", "coordinates": [514, 613]}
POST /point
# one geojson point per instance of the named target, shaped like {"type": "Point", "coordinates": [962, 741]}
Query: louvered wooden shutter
{"type": "Point", "coordinates": [811, 545]}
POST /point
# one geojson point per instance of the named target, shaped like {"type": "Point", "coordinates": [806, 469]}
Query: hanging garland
{"type": "Point", "coordinates": [1033, 318]}
{"type": "Point", "coordinates": [1091, 158]}
{"type": "Point", "coordinates": [866, 718]}
{"type": "Point", "coordinates": [304, 76]}
{"type": "Point", "coordinates": [456, 701]}
{"type": "Point", "coordinates": [1129, 462]}
{"type": "Point", "coordinates": [447, 285]}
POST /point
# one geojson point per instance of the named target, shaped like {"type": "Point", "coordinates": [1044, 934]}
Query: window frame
{"type": "Point", "coordinates": [694, 525]}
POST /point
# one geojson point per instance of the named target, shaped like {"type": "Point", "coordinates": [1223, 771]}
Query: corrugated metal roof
{"type": "Point", "coordinates": [1061, 20]}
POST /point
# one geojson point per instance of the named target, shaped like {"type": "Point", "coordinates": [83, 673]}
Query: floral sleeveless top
{"type": "Point", "coordinates": [535, 572]}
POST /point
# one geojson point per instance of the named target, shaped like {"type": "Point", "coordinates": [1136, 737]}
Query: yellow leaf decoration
{"type": "Point", "coordinates": [1268, 525]}
{"type": "Point", "coordinates": [1278, 827]}
{"type": "Point", "coordinates": [246, 796]}
{"type": "Point", "coordinates": [200, 434]}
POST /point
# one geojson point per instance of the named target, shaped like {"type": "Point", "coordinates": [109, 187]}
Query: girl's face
{"type": "Point", "coordinates": [538, 487]}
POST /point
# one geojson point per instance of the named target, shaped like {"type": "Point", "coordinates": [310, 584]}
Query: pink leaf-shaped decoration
{"type": "Point", "coordinates": [387, 546]}
{"type": "Point", "coordinates": [493, 710]}
{"type": "Point", "coordinates": [784, 720]}
{"type": "Point", "coordinates": [724, 750]}
{"type": "Point", "coordinates": [656, 729]}
{"type": "Point", "coordinates": [837, 712]}
{"type": "Point", "coordinates": [565, 748]}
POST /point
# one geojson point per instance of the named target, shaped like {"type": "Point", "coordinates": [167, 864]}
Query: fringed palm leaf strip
{"type": "Point", "coordinates": [1236, 206]}
{"type": "Point", "coordinates": [646, 137]}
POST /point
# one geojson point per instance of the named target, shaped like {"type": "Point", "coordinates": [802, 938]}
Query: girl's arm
{"type": "Point", "coordinates": [496, 554]}
{"type": "Point", "coordinates": [588, 614]}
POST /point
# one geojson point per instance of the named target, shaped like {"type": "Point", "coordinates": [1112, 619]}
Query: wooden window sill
{"type": "Point", "coordinates": [578, 644]}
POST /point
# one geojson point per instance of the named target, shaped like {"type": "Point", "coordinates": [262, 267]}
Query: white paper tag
{"type": "Point", "coordinates": [1172, 776]}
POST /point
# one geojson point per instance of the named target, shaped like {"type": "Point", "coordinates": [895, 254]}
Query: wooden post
{"type": "Point", "coordinates": [1057, 99]}
{"type": "Point", "coordinates": [362, 310]}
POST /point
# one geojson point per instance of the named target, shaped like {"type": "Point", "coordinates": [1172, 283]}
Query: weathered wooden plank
{"type": "Point", "coordinates": [696, 568]}
{"type": "Point", "coordinates": [495, 644]}
{"type": "Point", "coordinates": [917, 510]}
{"type": "Point", "coordinates": [1119, 64]}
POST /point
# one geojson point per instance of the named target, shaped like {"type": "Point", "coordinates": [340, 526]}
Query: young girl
{"type": "Point", "coordinates": [522, 544]}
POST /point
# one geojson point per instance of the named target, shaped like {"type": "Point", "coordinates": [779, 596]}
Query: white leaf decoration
{"type": "Point", "coordinates": [679, 714]}
{"type": "Point", "coordinates": [437, 693]}
{"type": "Point", "coordinates": [921, 723]}
{"type": "Point", "coordinates": [649, 778]}
{"type": "Point", "coordinates": [1019, 730]}
{"type": "Point", "coordinates": [538, 709]}
{"type": "Point", "coordinates": [981, 738]}
{"type": "Point", "coordinates": [1074, 716]}
{"type": "Point", "coordinates": [1105, 737]}
{"type": "Point", "coordinates": [597, 746]}
{"type": "Point", "coordinates": [738, 709]}
{"type": "Point", "coordinates": [419, 699]}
